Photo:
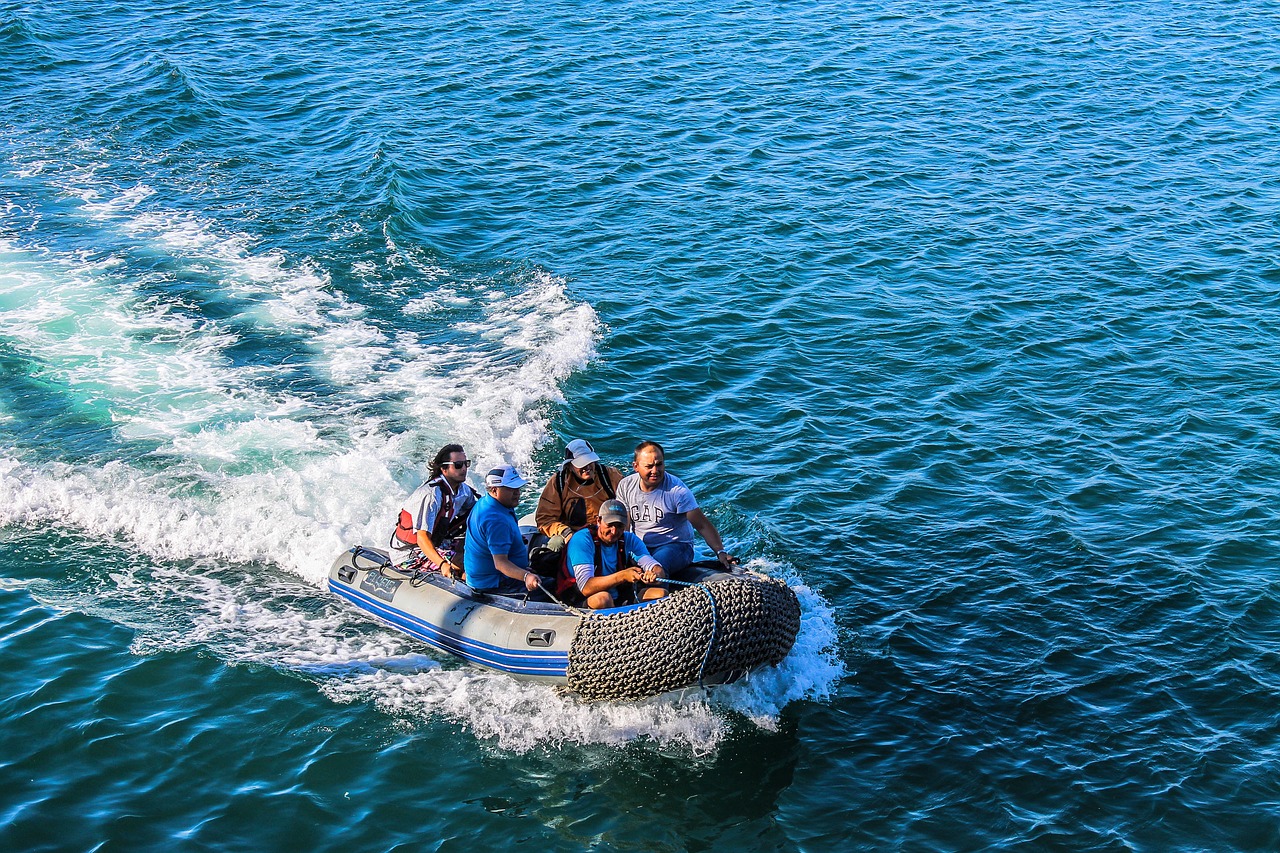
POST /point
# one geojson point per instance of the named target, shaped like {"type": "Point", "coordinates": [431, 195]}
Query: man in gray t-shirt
{"type": "Point", "coordinates": [664, 512]}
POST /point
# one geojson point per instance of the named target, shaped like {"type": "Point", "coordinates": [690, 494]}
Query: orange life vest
{"type": "Point", "coordinates": [442, 527]}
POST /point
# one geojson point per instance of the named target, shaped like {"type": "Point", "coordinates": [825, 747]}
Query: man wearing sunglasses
{"type": "Point", "coordinates": [434, 518]}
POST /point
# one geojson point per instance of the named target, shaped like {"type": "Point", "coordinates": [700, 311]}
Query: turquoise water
{"type": "Point", "coordinates": [963, 318]}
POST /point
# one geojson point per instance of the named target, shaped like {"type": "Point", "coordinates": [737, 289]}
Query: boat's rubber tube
{"type": "Point", "coordinates": [708, 633]}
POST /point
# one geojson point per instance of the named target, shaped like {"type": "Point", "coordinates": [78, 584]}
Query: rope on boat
{"type": "Point", "coordinates": [547, 589]}
{"type": "Point", "coordinates": [416, 568]}
{"type": "Point", "coordinates": [737, 623]}
{"type": "Point", "coordinates": [711, 644]}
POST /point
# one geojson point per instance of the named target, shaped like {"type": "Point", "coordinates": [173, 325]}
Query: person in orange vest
{"type": "Point", "coordinates": [433, 519]}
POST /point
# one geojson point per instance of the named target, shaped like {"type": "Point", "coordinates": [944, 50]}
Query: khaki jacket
{"type": "Point", "coordinates": [573, 510]}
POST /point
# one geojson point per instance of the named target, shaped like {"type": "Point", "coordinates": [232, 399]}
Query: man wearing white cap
{"type": "Point", "coordinates": [495, 559]}
{"type": "Point", "coordinates": [572, 497]}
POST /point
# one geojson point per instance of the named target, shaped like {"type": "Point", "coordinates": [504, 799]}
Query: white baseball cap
{"type": "Point", "coordinates": [580, 453]}
{"type": "Point", "coordinates": [506, 475]}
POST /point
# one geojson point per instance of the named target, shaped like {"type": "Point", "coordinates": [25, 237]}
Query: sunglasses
{"type": "Point", "coordinates": [465, 463]}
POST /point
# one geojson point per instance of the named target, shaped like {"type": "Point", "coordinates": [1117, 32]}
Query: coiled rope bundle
{"type": "Point", "coordinates": [714, 629]}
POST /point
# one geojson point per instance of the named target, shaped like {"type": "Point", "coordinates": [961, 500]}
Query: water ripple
{"type": "Point", "coordinates": [965, 315]}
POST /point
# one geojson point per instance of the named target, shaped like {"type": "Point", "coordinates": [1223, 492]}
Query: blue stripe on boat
{"type": "Point", "coordinates": [527, 662]}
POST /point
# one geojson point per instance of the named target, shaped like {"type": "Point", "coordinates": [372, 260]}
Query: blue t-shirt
{"type": "Point", "coordinates": [582, 555]}
{"type": "Point", "coordinates": [492, 529]}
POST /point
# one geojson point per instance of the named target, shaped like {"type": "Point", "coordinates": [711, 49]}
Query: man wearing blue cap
{"type": "Point", "coordinates": [495, 558]}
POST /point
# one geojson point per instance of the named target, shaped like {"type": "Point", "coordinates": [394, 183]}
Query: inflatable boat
{"type": "Point", "coordinates": [713, 630]}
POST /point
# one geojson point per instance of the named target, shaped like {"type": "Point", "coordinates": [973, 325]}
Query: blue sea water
{"type": "Point", "coordinates": [964, 318]}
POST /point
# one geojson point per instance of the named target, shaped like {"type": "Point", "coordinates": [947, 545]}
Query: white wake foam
{"type": "Point", "coordinates": [263, 473]}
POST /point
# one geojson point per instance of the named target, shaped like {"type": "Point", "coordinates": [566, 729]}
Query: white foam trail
{"type": "Point", "coordinates": [293, 296]}
{"type": "Point", "coordinates": [488, 390]}
{"type": "Point", "coordinates": [251, 472]}
{"type": "Point", "coordinates": [519, 716]}
{"type": "Point", "coordinates": [526, 344]}
{"type": "Point", "coordinates": [425, 306]}
{"type": "Point", "coordinates": [297, 518]}
{"type": "Point", "coordinates": [156, 372]}
{"type": "Point", "coordinates": [244, 627]}
{"type": "Point", "coordinates": [536, 338]}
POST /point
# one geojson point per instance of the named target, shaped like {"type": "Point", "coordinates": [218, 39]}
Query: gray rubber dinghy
{"type": "Point", "coordinates": [711, 632]}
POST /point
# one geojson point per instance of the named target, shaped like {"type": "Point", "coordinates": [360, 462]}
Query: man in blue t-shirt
{"type": "Point", "coordinates": [495, 557]}
{"type": "Point", "coordinates": [600, 557]}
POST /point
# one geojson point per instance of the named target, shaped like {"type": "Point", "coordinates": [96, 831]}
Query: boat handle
{"type": "Point", "coordinates": [541, 637]}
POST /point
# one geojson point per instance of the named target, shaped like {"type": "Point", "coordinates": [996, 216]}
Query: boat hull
{"type": "Point", "coordinates": [710, 632]}
{"type": "Point", "coordinates": [529, 641]}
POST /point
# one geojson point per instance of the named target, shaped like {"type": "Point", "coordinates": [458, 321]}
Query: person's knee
{"type": "Point", "coordinates": [673, 557]}
{"type": "Point", "coordinates": [600, 601]}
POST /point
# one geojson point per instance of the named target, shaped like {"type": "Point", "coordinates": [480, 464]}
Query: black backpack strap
{"type": "Point", "coordinates": [459, 525]}
{"type": "Point", "coordinates": [442, 513]}
{"type": "Point", "coordinates": [602, 477]}
{"type": "Point", "coordinates": [620, 562]}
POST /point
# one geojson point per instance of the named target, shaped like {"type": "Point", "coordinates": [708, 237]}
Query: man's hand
{"type": "Point", "coordinates": [630, 574]}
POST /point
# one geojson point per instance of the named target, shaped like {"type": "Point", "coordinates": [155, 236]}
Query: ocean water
{"type": "Point", "coordinates": [964, 318]}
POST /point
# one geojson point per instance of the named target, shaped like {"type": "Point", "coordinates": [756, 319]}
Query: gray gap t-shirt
{"type": "Point", "coordinates": [658, 517]}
